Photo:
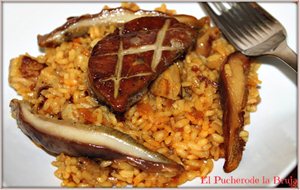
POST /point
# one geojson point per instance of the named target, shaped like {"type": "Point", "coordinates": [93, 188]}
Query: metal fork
{"type": "Point", "coordinates": [252, 30]}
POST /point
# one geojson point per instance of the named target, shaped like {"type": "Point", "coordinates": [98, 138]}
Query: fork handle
{"type": "Point", "coordinates": [286, 54]}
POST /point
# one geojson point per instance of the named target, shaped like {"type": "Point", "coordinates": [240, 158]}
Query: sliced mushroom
{"type": "Point", "coordinates": [168, 83]}
{"type": "Point", "coordinates": [57, 136]}
{"type": "Point", "coordinates": [79, 26]}
{"type": "Point", "coordinates": [234, 94]}
{"type": "Point", "coordinates": [188, 19]}
{"type": "Point", "coordinates": [31, 68]}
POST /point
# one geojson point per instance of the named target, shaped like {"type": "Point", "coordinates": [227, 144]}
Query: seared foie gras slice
{"type": "Point", "coordinates": [234, 93]}
{"type": "Point", "coordinates": [124, 63]}
{"type": "Point", "coordinates": [57, 136]}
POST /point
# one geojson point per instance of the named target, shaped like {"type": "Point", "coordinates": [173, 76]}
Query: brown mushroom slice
{"type": "Point", "coordinates": [188, 19]}
{"type": "Point", "coordinates": [234, 96]}
{"type": "Point", "coordinates": [30, 68]}
{"type": "Point", "coordinates": [168, 84]}
{"type": "Point", "coordinates": [57, 136]}
{"type": "Point", "coordinates": [79, 26]}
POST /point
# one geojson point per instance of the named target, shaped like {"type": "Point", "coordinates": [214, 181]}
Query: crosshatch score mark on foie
{"type": "Point", "coordinates": [158, 48]}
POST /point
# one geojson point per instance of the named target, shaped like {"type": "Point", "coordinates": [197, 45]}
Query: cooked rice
{"type": "Point", "coordinates": [187, 130]}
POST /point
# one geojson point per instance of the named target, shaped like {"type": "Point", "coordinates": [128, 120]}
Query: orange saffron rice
{"type": "Point", "coordinates": [185, 128]}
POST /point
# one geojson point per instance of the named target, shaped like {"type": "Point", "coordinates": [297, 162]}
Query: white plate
{"type": "Point", "coordinates": [270, 152]}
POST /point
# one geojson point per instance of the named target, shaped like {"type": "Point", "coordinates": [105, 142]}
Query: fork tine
{"type": "Point", "coordinates": [231, 29]}
{"type": "Point", "coordinates": [262, 12]}
{"type": "Point", "coordinates": [219, 21]}
{"type": "Point", "coordinates": [245, 24]}
{"type": "Point", "coordinates": [248, 26]}
{"type": "Point", "coordinates": [235, 26]}
{"type": "Point", "coordinates": [241, 25]}
{"type": "Point", "coordinates": [253, 13]}
{"type": "Point", "coordinates": [258, 25]}
{"type": "Point", "coordinates": [264, 25]}
{"type": "Point", "coordinates": [209, 10]}
{"type": "Point", "coordinates": [220, 7]}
